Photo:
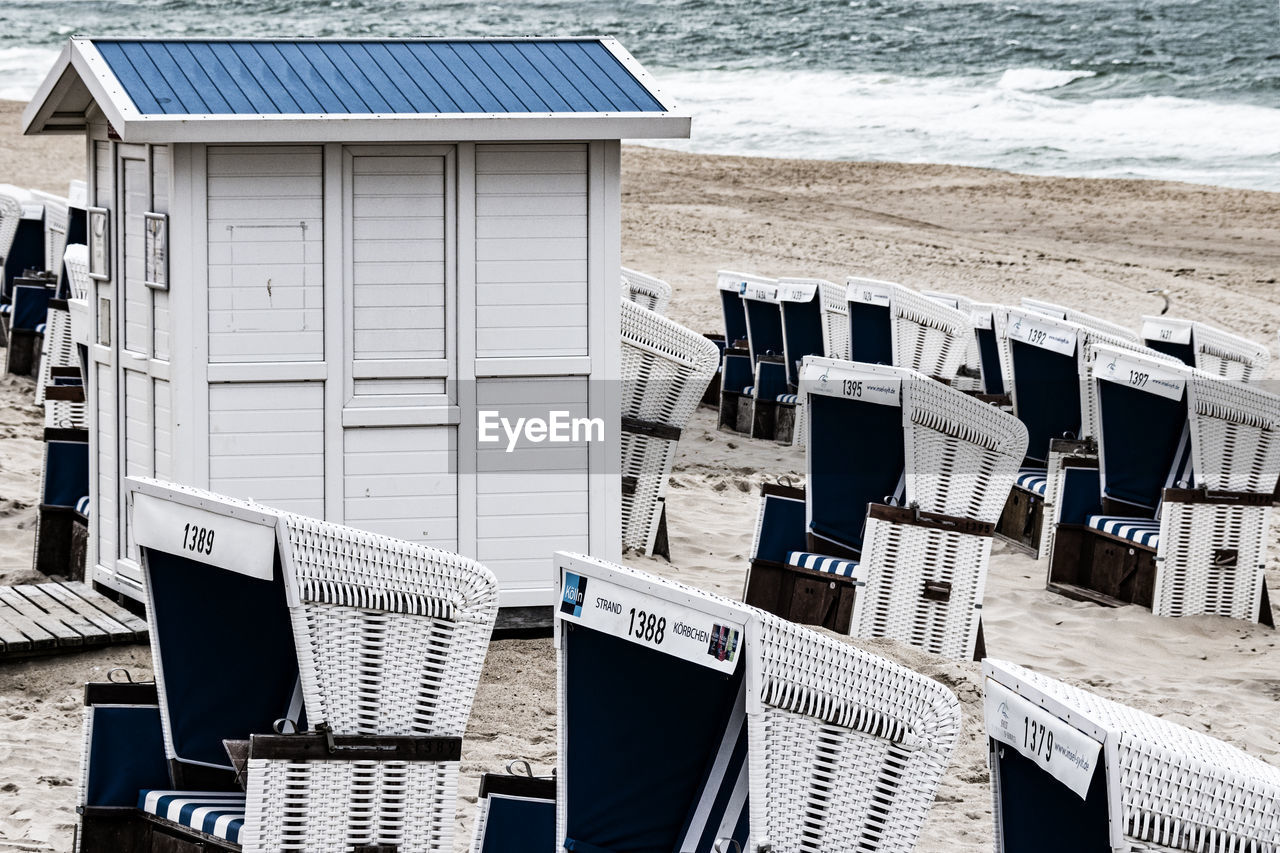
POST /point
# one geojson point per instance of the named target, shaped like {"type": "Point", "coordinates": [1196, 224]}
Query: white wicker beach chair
{"type": "Point", "coordinates": [370, 648]}
{"type": "Point", "coordinates": [665, 369]}
{"type": "Point", "coordinates": [646, 291]}
{"type": "Point", "coordinates": [1048, 382]}
{"type": "Point", "coordinates": [742, 731]}
{"type": "Point", "coordinates": [905, 480]}
{"type": "Point", "coordinates": [1176, 516]}
{"type": "Point", "coordinates": [1072, 771]}
{"type": "Point", "coordinates": [56, 221]}
{"type": "Point", "coordinates": [1202, 346]}
{"type": "Point", "coordinates": [1071, 315]}
{"type": "Point", "coordinates": [737, 375]}
{"type": "Point", "coordinates": [985, 368]}
{"type": "Point", "coordinates": [892, 324]}
{"type": "Point", "coordinates": [10, 215]}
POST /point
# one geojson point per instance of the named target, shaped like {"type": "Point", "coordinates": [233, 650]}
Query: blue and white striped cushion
{"type": "Point", "coordinates": [749, 391]}
{"type": "Point", "coordinates": [788, 398]}
{"type": "Point", "coordinates": [6, 308]}
{"type": "Point", "coordinates": [1033, 480]}
{"type": "Point", "coordinates": [1140, 531]}
{"type": "Point", "coordinates": [40, 329]}
{"type": "Point", "coordinates": [216, 813]}
{"type": "Point", "coordinates": [82, 506]}
{"type": "Point", "coordinates": [820, 563]}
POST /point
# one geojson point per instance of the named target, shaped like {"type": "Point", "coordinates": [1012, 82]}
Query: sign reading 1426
{"type": "Point", "coordinates": [682, 632]}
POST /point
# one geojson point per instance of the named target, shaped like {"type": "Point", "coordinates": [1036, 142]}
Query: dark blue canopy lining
{"type": "Point", "coordinates": [518, 825]}
{"type": "Point", "coordinates": [857, 458]}
{"type": "Point", "coordinates": [870, 333]}
{"type": "Point", "coordinates": [1047, 387]}
{"type": "Point", "coordinates": [735, 317]}
{"type": "Point", "coordinates": [308, 77]}
{"type": "Point", "coordinates": [226, 650]}
{"type": "Point", "coordinates": [1185, 353]}
{"type": "Point", "coordinates": [1142, 434]}
{"type": "Point", "coordinates": [989, 357]}
{"type": "Point", "coordinates": [781, 528]}
{"type": "Point", "coordinates": [801, 333]}
{"type": "Point", "coordinates": [764, 327]}
{"type": "Point", "coordinates": [656, 748]}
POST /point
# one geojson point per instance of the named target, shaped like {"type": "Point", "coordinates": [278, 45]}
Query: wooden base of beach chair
{"type": "Point", "coordinates": [112, 830]}
{"type": "Point", "coordinates": [729, 402]}
{"type": "Point", "coordinates": [24, 352]}
{"type": "Point", "coordinates": [784, 424]}
{"type": "Point", "coordinates": [757, 419]}
{"type": "Point", "coordinates": [1022, 521]}
{"type": "Point", "coordinates": [1089, 565]}
{"type": "Point", "coordinates": [801, 595]}
{"type": "Point", "coordinates": [56, 547]}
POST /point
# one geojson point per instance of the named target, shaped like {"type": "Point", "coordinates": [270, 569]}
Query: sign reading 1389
{"type": "Point", "coordinates": [701, 638]}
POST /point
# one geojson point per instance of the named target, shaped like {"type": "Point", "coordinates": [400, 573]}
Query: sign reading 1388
{"type": "Point", "coordinates": [701, 638]}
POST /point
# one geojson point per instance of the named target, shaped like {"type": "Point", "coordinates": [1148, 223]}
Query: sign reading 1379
{"type": "Point", "coordinates": [701, 638]}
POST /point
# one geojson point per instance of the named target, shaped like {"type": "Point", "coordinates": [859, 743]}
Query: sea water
{"type": "Point", "coordinates": [1179, 89]}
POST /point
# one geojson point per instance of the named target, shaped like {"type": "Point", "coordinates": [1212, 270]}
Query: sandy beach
{"type": "Point", "coordinates": [1098, 245]}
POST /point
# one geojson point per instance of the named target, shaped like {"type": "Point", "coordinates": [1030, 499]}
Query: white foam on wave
{"type": "Point", "coordinates": [975, 121]}
{"type": "Point", "coordinates": [22, 69]}
{"type": "Point", "coordinates": [1039, 79]}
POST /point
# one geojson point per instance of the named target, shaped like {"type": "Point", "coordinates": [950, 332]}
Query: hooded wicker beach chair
{"type": "Point", "coordinates": [665, 369]}
{"type": "Point", "coordinates": [1072, 771]}
{"type": "Point", "coordinates": [984, 368]}
{"type": "Point", "coordinates": [762, 307]}
{"type": "Point", "coordinates": [515, 813]}
{"type": "Point", "coordinates": [895, 325]}
{"type": "Point", "coordinates": [737, 373]}
{"type": "Point", "coordinates": [340, 665]}
{"type": "Point", "coordinates": [646, 291]}
{"type": "Point", "coordinates": [1204, 347]}
{"type": "Point", "coordinates": [742, 731]}
{"type": "Point", "coordinates": [1071, 315]}
{"type": "Point", "coordinates": [1049, 387]}
{"type": "Point", "coordinates": [1175, 516]}
{"type": "Point", "coordinates": [892, 534]}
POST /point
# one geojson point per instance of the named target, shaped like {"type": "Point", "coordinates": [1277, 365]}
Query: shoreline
{"type": "Point", "coordinates": [1097, 244]}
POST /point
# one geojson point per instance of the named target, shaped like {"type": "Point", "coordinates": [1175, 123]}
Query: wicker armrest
{"type": "Point", "coordinates": [1216, 496]}
{"type": "Point", "coordinates": [326, 746]}
{"type": "Point", "coordinates": [653, 429]}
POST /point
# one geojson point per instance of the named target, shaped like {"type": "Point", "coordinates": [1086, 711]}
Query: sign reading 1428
{"type": "Point", "coordinates": [646, 620]}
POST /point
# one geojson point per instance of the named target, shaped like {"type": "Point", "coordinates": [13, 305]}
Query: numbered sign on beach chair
{"type": "Point", "coordinates": [646, 291]}
{"type": "Point", "coordinates": [1050, 390]}
{"type": "Point", "coordinates": [665, 368]}
{"type": "Point", "coordinates": [905, 479]}
{"type": "Point", "coordinates": [741, 731]}
{"type": "Point", "coordinates": [1202, 346]}
{"type": "Point", "coordinates": [737, 374]}
{"type": "Point", "coordinates": [311, 680]}
{"type": "Point", "coordinates": [1175, 518]}
{"type": "Point", "coordinates": [1072, 771]}
{"type": "Point", "coordinates": [895, 325]}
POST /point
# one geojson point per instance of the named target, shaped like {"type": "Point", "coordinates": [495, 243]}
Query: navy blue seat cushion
{"type": "Point", "coordinates": [1033, 480]}
{"type": "Point", "coordinates": [216, 813]}
{"type": "Point", "coordinates": [1141, 531]}
{"type": "Point", "coordinates": [822, 563]}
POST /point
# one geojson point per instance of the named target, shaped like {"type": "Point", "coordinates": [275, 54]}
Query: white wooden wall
{"type": "Point", "coordinates": [130, 362]}
{"type": "Point", "coordinates": [345, 310]}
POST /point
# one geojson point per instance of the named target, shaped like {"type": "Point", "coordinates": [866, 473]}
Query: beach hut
{"type": "Point", "coordinates": [328, 273]}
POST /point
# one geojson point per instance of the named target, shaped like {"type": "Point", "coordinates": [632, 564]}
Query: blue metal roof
{"type": "Point", "coordinates": [278, 77]}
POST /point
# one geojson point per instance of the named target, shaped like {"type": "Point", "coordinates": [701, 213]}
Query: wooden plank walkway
{"type": "Point", "coordinates": [48, 618]}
